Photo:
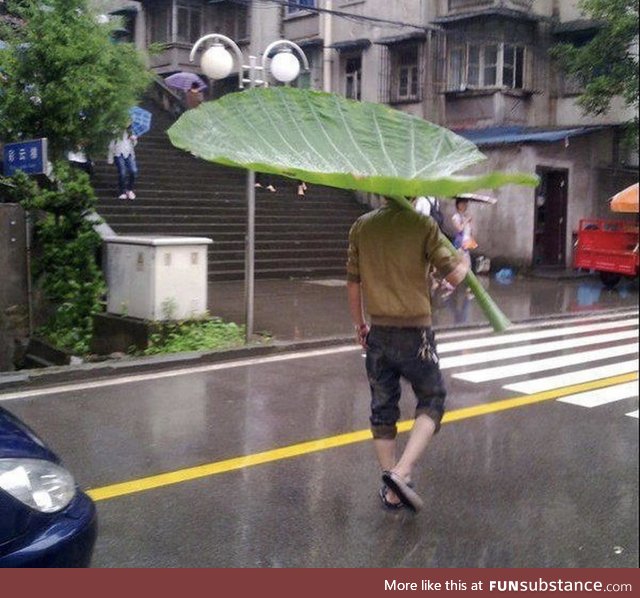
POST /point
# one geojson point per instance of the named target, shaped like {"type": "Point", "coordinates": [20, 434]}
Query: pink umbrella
{"type": "Point", "coordinates": [478, 197]}
{"type": "Point", "coordinates": [184, 80]}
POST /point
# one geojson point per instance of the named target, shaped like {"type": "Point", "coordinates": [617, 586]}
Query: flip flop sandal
{"type": "Point", "coordinates": [390, 506]}
{"type": "Point", "coordinates": [403, 490]}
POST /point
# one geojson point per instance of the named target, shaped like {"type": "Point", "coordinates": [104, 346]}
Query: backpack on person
{"type": "Point", "coordinates": [430, 206]}
{"type": "Point", "coordinates": [435, 212]}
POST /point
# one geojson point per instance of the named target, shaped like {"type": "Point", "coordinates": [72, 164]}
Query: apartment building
{"type": "Point", "coordinates": [479, 67]}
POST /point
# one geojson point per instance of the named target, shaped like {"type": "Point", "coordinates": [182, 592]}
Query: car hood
{"type": "Point", "coordinates": [17, 440]}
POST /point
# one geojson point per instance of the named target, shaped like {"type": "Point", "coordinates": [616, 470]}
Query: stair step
{"type": "Point", "coordinates": [277, 273]}
{"type": "Point", "coordinates": [145, 194]}
{"type": "Point", "coordinates": [222, 219]}
{"type": "Point", "coordinates": [284, 227]}
{"type": "Point", "coordinates": [188, 208]}
{"type": "Point", "coordinates": [226, 235]}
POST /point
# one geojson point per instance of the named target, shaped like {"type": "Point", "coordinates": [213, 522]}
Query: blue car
{"type": "Point", "coordinates": [45, 521]}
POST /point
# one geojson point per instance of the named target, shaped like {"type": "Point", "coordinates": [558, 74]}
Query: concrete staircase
{"type": "Point", "coordinates": [178, 194]}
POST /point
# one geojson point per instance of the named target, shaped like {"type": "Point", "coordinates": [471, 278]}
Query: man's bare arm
{"type": "Point", "coordinates": [356, 309]}
{"type": "Point", "coordinates": [456, 276]}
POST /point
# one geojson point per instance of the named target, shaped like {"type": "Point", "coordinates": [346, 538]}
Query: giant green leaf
{"type": "Point", "coordinates": [325, 139]}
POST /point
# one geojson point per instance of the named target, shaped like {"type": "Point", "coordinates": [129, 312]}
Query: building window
{"type": "Point", "coordinates": [243, 23]}
{"type": "Point", "coordinates": [305, 79]}
{"type": "Point", "coordinates": [457, 68]}
{"type": "Point", "coordinates": [235, 22]}
{"type": "Point", "coordinates": [406, 85]}
{"type": "Point", "coordinates": [296, 6]}
{"type": "Point", "coordinates": [570, 84]}
{"type": "Point", "coordinates": [159, 21]}
{"type": "Point", "coordinates": [513, 67]}
{"type": "Point", "coordinates": [353, 78]}
{"type": "Point", "coordinates": [476, 66]}
{"type": "Point", "coordinates": [189, 23]}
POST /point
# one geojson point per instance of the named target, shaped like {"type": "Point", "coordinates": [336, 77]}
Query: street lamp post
{"type": "Point", "coordinates": [217, 63]}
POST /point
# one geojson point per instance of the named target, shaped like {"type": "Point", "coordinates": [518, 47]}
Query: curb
{"type": "Point", "coordinates": [35, 378]}
{"type": "Point", "coordinates": [27, 379]}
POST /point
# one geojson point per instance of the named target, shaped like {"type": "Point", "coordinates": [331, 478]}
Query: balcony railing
{"type": "Point", "coordinates": [470, 5]}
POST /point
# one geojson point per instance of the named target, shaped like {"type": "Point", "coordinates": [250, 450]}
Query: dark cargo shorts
{"type": "Point", "coordinates": [409, 353]}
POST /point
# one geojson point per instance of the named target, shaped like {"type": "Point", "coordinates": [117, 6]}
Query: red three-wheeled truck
{"type": "Point", "coordinates": [610, 247]}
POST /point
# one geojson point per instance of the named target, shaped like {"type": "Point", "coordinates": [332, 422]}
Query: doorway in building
{"type": "Point", "coordinates": [550, 218]}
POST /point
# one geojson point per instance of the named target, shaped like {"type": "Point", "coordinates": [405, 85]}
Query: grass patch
{"type": "Point", "coordinates": [196, 335]}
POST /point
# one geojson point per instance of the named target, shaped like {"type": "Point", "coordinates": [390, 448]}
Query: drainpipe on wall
{"type": "Point", "coordinates": [174, 22]}
{"type": "Point", "coordinates": [431, 103]}
{"type": "Point", "coordinates": [281, 16]}
{"type": "Point", "coordinates": [429, 64]}
{"type": "Point", "coordinates": [327, 35]}
{"type": "Point", "coordinates": [27, 227]}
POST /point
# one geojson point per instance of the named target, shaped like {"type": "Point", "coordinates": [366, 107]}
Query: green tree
{"type": "Point", "coordinates": [63, 78]}
{"type": "Point", "coordinates": [607, 65]}
{"type": "Point", "coordinates": [65, 265]}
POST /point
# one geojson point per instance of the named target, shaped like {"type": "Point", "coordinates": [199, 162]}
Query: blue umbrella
{"type": "Point", "coordinates": [140, 120]}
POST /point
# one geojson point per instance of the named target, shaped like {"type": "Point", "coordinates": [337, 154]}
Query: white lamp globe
{"type": "Point", "coordinates": [217, 62]}
{"type": "Point", "coordinates": [285, 67]}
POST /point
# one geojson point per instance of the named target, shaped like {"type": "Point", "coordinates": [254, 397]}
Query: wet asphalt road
{"type": "Point", "coordinates": [547, 484]}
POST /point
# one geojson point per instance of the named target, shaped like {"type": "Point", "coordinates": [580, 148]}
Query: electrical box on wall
{"type": "Point", "coordinates": [157, 278]}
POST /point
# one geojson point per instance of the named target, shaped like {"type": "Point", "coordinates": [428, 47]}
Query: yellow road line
{"type": "Point", "coordinates": [304, 448]}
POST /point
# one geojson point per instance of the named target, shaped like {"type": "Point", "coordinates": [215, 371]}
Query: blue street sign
{"type": "Point", "coordinates": [29, 156]}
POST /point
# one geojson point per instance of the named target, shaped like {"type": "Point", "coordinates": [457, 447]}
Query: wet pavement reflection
{"type": "Point", "coordinates": [308, 309]}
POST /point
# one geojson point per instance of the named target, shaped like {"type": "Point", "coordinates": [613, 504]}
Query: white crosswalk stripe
{"type": "Point", "coordinates": [602, 396]}
{"type": "Point", "coordinates": [534, 349]}
{"type": "Point", "coordinates": [585, 351]}
{"type": "Point", "coordinates": [550, 363]}
{"type": "Point", "coordinates": [512, 338]}
{"type": "Point", "coordinates": [565, 320]}
{"type": "Point", "coordinates": [569, 378]}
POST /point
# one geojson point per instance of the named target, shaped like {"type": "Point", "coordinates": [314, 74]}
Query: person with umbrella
{"type": "Point", "coordinates": [121, 152]}
{"type": "Point", "coordinates": [190, 85]}
{"type": "Point", "coordinates": [194, 96]}
{"type": "Point", "coordinates": [463, 226]}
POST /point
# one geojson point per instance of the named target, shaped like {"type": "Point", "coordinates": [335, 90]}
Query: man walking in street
{"type": "Point", "coordinates": [390, 252]}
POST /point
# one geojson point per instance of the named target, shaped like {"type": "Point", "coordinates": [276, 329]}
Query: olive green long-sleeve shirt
{"type": "Point", "coordinates": [390, 251]}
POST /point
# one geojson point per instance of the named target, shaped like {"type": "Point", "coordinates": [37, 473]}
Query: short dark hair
{"type": "Point", "coordinates": [460, 200]}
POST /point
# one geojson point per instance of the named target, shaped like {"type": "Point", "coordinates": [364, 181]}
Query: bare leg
{"type": "Point", "coordinates": [421, 434]}
{"type": "Point", "coordinates": [386, 452]}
